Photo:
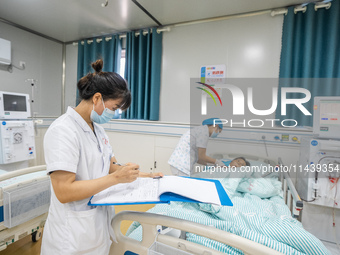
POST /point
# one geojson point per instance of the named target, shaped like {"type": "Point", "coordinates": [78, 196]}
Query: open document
{"type": "Point", "coordinates": [163, 190]}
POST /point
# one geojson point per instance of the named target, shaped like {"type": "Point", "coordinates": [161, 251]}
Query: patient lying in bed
{"type": "Point", "coordinates": [236, 162]}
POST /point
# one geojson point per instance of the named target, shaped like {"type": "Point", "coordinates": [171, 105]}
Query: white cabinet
{"type": "Point", "coordinates": [164, 146]}
{"type": "Point", "coordinates": [151, 152]}
{"type": "Point", "coordinates": [135, 148]}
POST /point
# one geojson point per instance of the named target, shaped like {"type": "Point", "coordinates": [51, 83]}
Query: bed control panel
{"type": "Point", "coordinates": [272, 137]}
{"type": "Point", "coordinates": [16, 141]}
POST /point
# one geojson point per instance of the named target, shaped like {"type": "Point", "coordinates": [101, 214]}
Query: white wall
{"type": "Point", "coordinates": [249, 47]}
{"type": "Point", "coordinates": [43, 59]}
{"type": "Point", "coordinates": [71, 75]}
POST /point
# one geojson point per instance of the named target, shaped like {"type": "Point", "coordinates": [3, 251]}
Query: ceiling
{"type": "Point", "coordinates": [71, 20]}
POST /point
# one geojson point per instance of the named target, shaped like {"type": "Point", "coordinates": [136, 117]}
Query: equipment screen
{"type": "Point", "coordinates": [329, 112]}
{"type": "Point", "coordinates": [14, 103]}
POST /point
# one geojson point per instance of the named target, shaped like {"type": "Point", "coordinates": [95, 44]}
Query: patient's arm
{"type": "Point", "coordinates": [203, 159]}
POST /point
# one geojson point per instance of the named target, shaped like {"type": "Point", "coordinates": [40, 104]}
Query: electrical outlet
{"type": "Point", "coordinates": [22, 63]}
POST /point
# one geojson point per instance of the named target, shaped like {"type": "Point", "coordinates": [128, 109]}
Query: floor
{"type": "Point", "coordinates": [25, 246]}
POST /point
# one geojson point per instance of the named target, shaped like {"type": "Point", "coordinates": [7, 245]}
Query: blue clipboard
{"type": "Point", "coordinates": [224, 198]}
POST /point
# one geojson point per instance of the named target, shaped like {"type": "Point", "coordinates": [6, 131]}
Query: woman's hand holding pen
{"type": "Point", "coordinates": [126, 173]}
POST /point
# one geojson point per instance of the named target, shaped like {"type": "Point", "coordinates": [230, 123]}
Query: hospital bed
{"type": "Point", "coordinates": [24, 202]}
{"type": "Point", "coordinates": [213, 235]}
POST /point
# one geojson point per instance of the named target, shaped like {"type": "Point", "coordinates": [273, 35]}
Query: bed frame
{"type": "Point", "coordinates": [33, 226]}
{"type": "Point", "coordinates": [290, 194]}
{"type": "Point", "coordinates": [150, 221]}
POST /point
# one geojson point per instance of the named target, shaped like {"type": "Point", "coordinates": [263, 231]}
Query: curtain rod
{"type": "Point", "coordinates": [98, 40]}
{"type": "Point", "coordinates": [301, 8]}
{"type": "Point", "coordinates": [232, 16]}
{"type": "Point", "coordinates": [186, 23]}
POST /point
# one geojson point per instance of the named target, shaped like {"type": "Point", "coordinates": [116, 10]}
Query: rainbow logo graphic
{"type": "Point", "coordinates": [209, 93]}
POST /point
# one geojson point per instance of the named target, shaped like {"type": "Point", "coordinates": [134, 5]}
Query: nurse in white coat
{"type": "Point", "coordinates": [192, 147]}
{"type": "Point", "coordinates": [79, 160]}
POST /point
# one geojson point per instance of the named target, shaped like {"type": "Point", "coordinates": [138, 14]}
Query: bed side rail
{"type": "Point", "coordinates": [21, 172]}
{"type": "Point", "coordinates": [290, 194]}
{"type": "Point", "coordinates": [149, 222]}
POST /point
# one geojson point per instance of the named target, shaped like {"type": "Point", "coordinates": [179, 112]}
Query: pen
{"type": "Point", "coordinates": [157, 177]}
{"type": "Point", "coordinates": [119, 164]}
{"type": "Point", "coordinates": [116, 163]}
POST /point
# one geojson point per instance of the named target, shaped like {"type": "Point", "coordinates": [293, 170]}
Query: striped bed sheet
{"type": "Point", "coordinates": [266, 221]}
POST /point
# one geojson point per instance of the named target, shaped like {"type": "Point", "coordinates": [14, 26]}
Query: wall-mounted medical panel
{"type": "Point", "coordinates": [17, 142]}
{"type": "Point", "coordinates": [326, 117]}
{"type": "Point", "coordinates": [14, 105]}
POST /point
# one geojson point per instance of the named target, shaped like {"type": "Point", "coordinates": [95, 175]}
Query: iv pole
{"type": "Point", "coordinates": [32, 81]}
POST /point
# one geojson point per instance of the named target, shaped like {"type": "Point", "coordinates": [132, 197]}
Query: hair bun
{"type": "Point", "coordinates": [98, 65]}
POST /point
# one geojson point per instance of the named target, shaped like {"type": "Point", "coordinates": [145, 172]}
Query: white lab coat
{"type": "Point", "coordinates": [76, 228]}
{"type": "Point", "coordinates": [185, 154]}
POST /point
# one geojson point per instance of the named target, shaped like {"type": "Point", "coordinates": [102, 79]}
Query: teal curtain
{"type": "Point", "coordinates": [310, 57]}
{"type": "Point", "coordinates": [143, 74]}
{"type": "Point", "coordinates": [108, 50]}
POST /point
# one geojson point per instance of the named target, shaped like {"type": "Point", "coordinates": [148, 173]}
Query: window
{"type": "Point", "coordinates": [121, 73]}
{"type": "Point", "coordinates": [122, 64]}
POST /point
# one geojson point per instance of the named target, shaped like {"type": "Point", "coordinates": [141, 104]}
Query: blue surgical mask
{"type": "Point", "coordinates": [214, 134]}
{"type": "Point", "coordinates": [106, 116]}
{"type": "Point", "coordinates": [227, 163]}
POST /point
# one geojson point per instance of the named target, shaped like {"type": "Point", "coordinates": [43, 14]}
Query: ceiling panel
{"type": "Point", "coordinates": [175, 11]}
{"type": "Point", "coordinates": [69, 20]}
